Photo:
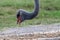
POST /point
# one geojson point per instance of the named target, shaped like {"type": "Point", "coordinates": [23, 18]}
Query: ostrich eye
{"type": "Point", "coordinates": [18, 15]}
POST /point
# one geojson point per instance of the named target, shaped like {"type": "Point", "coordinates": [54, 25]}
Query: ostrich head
{"type": "Point", "coordinates": [19, 17]}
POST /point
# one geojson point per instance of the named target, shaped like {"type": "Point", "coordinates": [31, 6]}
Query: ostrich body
{"type": "Point", "coordinates": [24, 15]}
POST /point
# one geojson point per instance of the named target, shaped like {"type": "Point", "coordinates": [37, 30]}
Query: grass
{"type": "Point", "coordinates": [49, 12]}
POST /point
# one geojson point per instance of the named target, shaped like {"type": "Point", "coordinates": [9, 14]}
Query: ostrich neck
{"type": "Point", "coordinates": [36, 10]}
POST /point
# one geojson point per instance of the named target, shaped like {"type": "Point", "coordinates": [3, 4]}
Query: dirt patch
{"type": "Point", "coordinates": [32, 32]}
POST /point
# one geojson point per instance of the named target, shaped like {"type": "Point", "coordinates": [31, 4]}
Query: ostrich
{"type": "Point", "coordinates": [24, 15]}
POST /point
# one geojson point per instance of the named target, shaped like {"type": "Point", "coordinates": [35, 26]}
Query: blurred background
{"type": "Point", "coordinates": [49, 12]}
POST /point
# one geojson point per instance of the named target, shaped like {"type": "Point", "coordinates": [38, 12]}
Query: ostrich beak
{"type": "Point", "coordinates": [18, 20]}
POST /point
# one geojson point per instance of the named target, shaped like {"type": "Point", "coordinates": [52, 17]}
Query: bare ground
{"type": "Point", "coordinates": [47, 32]}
